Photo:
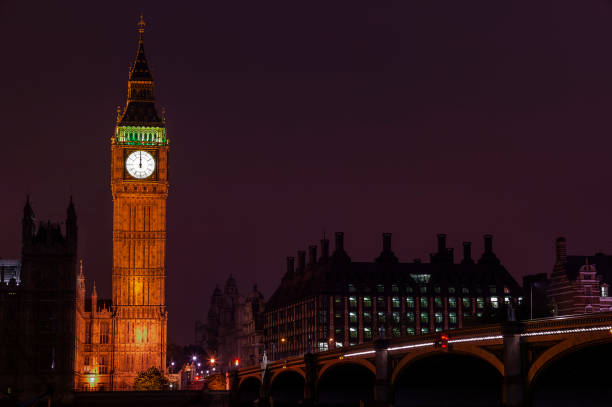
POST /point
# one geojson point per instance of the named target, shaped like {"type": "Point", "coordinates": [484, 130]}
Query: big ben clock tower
{"type": "Point", "coordinates": [139, 184]}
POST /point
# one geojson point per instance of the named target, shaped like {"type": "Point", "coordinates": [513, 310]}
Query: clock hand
{"type": "Point", "coordinates": [140, 155]}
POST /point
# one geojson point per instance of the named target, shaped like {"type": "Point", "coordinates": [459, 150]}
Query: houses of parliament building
{"type": "Point", "coordinates": [54, 337]}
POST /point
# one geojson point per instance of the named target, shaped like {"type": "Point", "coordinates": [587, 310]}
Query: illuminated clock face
{"type": "Point", "coordinates": [140, 164]}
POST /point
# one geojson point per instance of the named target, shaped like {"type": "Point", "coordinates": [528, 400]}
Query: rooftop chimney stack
{"type": "Point", "coordinates": [488, 243]}
{"type": "Point", "coordinates": [561, 250]}
{"type": "Point", "coordinates": [339, 241]}
{"type": "Point", "coordinates": [312, 254]}
{"type": "Point", "coordinates": [467, 253]}
{"type": "Point", "coordinates": [386, 238]}
{"type": "Point", "coordinates": [290, 265]}
{"type": "Point", "coordinates": [442, 243]}
{"type": "Point", "coordinates": [324, 249]}
{"type": "Point", "coordinates": [301, 260]}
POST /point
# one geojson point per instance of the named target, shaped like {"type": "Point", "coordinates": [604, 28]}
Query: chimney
{"type": "Point", "coordinates": [290, 265]}
{"type": "Point", "coordinates": [339, 241]}
{"type": "Point", "coordinates": [324, 249]}
{"type": "Point", "coordinates": [561, 250]}
{"type": "Point", "coordinates": [442, 243]}
{"type": "Point", "coordinates": [488, 243]}
{"type": "Point", "coordinates": [467, 253]}
{"type": "Point", "coordinates": [301, 260]}
{"type": "Point", "coordinates": [312, 255]}
{"type": "Point", "coordinates": [386, 238]}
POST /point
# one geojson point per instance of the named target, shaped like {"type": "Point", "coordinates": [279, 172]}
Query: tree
{"type": "Point", "coordinates": [150, 380]}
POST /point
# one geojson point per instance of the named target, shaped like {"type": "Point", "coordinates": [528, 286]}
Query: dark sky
{"type": "Point", "coordinates": [291, 118]}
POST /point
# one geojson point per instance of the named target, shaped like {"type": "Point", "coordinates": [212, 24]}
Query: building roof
{"type": "Point", "coordinates": [601, 262]}
{"type": "Point", "coordinates": [331, 277]}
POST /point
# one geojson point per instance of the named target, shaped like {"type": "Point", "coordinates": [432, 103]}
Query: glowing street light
{"type": "Point", "coordinates": [194, 358]}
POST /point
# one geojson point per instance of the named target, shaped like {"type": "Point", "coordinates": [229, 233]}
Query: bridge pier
{"type": "Point", "coordinates": [264, 389]}
{"type": "Point", "coordinates": [514, 385]}
{"type": "Point", "coordinates": [310, 381]}
{"type": "Point", "coordinates": [383, 393]}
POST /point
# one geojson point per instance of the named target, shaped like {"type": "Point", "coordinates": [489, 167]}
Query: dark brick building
{"type": "Point", "coordinates": [37, 314]}
{"type": "Point", "coordinates": [330, 300]}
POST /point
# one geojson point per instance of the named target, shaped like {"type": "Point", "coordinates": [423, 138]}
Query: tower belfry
{"type": "Point", "coordinates": [139, 184]}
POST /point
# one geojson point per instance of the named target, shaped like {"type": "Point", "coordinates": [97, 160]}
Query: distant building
{"type": "Point", "coordinates": [332, 301]}
{"type": "Point", "coordinates": [579, 283]}
{"type": "Point", "coordinates": [234, 327]}
{"type": "Point", "coordinates": [37, 307]}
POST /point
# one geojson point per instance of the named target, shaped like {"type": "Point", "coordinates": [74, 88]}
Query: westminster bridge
{"type": "Point", "coordinates": [509, 364]}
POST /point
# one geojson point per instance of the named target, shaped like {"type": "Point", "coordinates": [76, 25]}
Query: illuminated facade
{"type": "Point", "coordinates": [332, 301]}
{"type": "Point", "coordinates": [116, 341]}
{"type": "Point", "coordinates": [580, 284]}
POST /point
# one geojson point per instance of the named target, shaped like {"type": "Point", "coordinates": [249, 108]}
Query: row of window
{"type": "Point", "coordinates": [423, 279]}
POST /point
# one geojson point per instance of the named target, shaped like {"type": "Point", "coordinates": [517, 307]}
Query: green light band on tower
{"type": "Point", "coordinates": [141, 135]}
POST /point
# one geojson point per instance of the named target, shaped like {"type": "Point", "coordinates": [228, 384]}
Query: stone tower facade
{"type": "Point", "coordinates": [139, 184]}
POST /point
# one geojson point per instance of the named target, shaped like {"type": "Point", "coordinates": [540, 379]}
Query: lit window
{"type": "Point", "coordinates": [409, 302]}
{"type": "Point", "coordinates": [396, 332]}
{"type": "Point", "coordinates": [479, 314]}
{"type": "Point", "coordinates": [323, 346]}
{"type": "Point", "coordinates": [438, 302]}
{"type": "Point", "coordinates": [467, 303]}
{"type": "Point", "coordinates": [452, 302]}
{"type": "Point", "coordinates": [424, 330]}
{"type": "Point", "coordinates": [381, 302]}
{"type": "Point", "coordinates": [520, 300]}
{"type": "Point", "coordinates": [451, 290]}
{"type": "Point", "coordinates": [367, 317]}
{"type": "Point", "coordinates": [396, 317]}
{"type": "Point", "coordinates": [452, 317]}
{"type": "Point", "coordinates": [410, 316]}
{"type": "Point", "coordinates": [353, 332]}
{"type": "Point", "coordinates": [338, 300]}
{"type": "Point", "coordinates": [381, 317]}
{"type": "Point", "coordinates": [367, 302]}
{"type": "Point", "coordinates": [438, 329]}
{"type": "Point", "coordinates": [480, 302]}
{"type": "Point", "coordinates": [495, 302]}
{"type": "Point", "coordinates": [367, 333]}
{"type": "Point", "coordinates": [424, 318]}
{"type": "Point", "coordinates": [338, 315]}
{"type": "Point", "coordinates": [424, 302]}
{"type": "Point", "coordinates": [352, 317]}
{"type": "Point", "coordinates": [410, 331]}
{"type": "Point", "coordinates": [421, 278]}
{"type": "Point", "coordinates": [395, 288]}
{"type": "Point", "coordinates": [380, 288]}
{"type": "Point", "coordinates": [423, 289]}
{"type": "Point", "coordinates": [438, 317]}
{"type": "Point", "coordinates": [507, 300]}
{"type": "Point", "coordinates": [395, 302]}
{"type": "Point", "coordinates": [353, 302]}
{"type": "Point", "coordinates": [604, 290]}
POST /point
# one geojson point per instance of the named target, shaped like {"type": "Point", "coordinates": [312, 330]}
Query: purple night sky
{"type": "Point", "coordinates": [288, 119]}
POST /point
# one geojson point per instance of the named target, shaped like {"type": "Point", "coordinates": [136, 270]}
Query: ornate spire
{"type": "Point", "coordinates": [140, 108]}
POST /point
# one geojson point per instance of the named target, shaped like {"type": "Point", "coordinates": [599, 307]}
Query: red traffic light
{"type": "Point", "coordinates": [236, 362]}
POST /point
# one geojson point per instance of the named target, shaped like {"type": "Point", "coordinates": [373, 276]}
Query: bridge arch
{"type": "Point", "coordinates": [346, 382]}
{"type": "Point", "coordinates": [287, 386]}
{"type": "Point", "coordinates": [570, 345]}
{"type": "Point", "coordinates": [254, 376]}
{"type": "Point", "coordinates": [475, 351]}
{"type": "Point", "coordinates": [278, 372]}
{"type": "Point", "coordinates": [336, 362]}
{"type": "Point", "coordinates": [248, 390]}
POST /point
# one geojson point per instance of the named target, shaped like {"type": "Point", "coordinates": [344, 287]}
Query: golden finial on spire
{"type": "Point", "coordinates": [141, 25]}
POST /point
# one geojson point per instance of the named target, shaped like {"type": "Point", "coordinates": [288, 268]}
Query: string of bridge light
{"type": "Point", "coordinates": [487, 338]}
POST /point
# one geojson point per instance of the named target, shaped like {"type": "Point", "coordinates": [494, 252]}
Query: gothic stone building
{"type": "Point", "coordinates": [579, 283]}
{"type": "Point", "coordinates": [332, 301]}
{"type": "Point", "coordinates": [234, 326]}
{"type": "Point", "coordinates": [117, 340]}
{"type": "Point", "coordinates": [37, 310]}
